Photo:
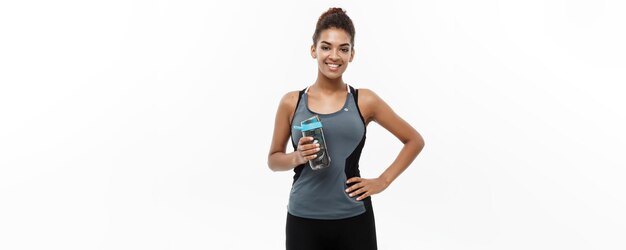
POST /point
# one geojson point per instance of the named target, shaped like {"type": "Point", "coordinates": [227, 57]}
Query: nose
{"type": "Point", "coordinates": [334, 55]}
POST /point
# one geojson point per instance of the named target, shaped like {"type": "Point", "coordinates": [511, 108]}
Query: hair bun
{"type": "Point", "coordinates": [335, 10]}
{"type": "Point", "coordinates": [332, 11]}
{"type": "Point", "coordinates": [334, 18]}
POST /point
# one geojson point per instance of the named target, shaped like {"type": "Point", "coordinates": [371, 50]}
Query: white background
{"type": "Point", "coordinates": [146, 124]}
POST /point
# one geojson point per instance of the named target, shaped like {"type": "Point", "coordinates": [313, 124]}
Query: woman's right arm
{"type": "Point", "coordinates": [278, 159]}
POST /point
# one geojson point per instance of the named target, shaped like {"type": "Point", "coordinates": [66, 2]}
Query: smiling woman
{"type": "Point", "coordinates": [331, 208]}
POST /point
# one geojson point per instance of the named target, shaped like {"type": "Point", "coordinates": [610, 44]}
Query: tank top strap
{"type": "Point", "coordinates": [300, 98]}
{"type": "Point", "coordinates": [354, 93]}
{"type": "Point", "coordinates": [297, 105]}
{"type": "Point", "coordinates": [302, 92]}
{"type": "Point", "coordinates": [355, 97]}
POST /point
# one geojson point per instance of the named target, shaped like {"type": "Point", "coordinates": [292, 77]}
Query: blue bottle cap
{"type": "Point", "coordinates": [309, 126]}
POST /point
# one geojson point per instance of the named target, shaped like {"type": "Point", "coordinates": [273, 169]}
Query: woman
{"type": "Point", "coordinates": [331, 208]}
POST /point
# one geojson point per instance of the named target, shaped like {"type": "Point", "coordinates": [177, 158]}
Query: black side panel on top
{"type": "Point", "coordinates": [297, 170]}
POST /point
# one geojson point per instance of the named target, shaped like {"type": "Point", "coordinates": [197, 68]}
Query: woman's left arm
{"type": "Point", "coordinates": [375, 109]}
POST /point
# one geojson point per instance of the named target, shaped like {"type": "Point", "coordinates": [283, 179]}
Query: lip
{"type": "Point", "coordinates": [333, 69]}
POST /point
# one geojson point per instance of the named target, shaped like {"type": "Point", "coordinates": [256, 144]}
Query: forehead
{"type": "Point", "coordinates": [334, 36]}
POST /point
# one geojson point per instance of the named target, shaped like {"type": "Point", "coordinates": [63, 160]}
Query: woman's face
{"type": "Point", "coordinates": [333, 52]}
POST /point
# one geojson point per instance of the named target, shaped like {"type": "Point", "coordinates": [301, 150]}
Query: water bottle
{"type": "Point", "coordinates": [313, 127]}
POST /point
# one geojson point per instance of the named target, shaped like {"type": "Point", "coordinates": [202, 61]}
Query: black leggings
{"type": "Point", "coordinates": [358, 232]}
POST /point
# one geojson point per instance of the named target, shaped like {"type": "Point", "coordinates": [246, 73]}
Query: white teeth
{"type": "Point", "coordinates": [333, 65]}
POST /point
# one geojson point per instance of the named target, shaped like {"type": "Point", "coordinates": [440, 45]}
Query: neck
{"type": "Point", "coordinates": [325, 84]}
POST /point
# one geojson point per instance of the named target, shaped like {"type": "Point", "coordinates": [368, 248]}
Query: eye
{"type": "Point", "coordinates": [345, 50]}
{"type": "Point", "coordinates": [325, 48]}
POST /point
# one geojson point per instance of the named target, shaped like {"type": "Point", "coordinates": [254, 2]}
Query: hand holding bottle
{"type": "Point", "coordinates": [306, 150]}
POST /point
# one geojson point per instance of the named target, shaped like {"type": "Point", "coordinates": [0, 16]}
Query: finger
{"type": "Point", "coordinates": [311, 146]}
{"type": "Point", "coordinates": [365, 195]}
{"type": "Point", "coordinates": [307, 150]}
{"type": "Point", "coordinates": [357, 192]}
{"type": "Point", "coordinates": [354, 179]}
{"type": "Point", "coordinates": [311, 151]}
{"type": "Point", "coordinates": [303, 147]}
{"type": "Point", "coordinates": [308, 146]}
{"type": "Point", "coordinates": [354, 187]}
{"type": "Point", "coordinates": [305, 140]}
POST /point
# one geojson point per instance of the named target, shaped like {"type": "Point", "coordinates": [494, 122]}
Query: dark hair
{"type": "Point", "coordinates": [334, 18]}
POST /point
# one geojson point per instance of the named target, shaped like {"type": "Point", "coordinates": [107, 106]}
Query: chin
{"type": "Point", "coordinates": [332, 75]}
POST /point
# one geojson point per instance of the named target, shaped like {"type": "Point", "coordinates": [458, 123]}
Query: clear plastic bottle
{"type": "Point", "coordinates": [313, 127]}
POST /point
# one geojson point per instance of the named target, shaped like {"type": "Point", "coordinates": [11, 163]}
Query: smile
{"type": "Point", "coordinates": [333, 66]}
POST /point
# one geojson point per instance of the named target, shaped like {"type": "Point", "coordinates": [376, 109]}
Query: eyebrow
{"type": "Point", "coordinates": [344, 44]}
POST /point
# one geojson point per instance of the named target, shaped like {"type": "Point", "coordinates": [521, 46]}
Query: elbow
{"type": "Point", "coordinates": [418, 144]}
{"type": "Point", "coordinates": [420, 141]}
{"type": "Point", "coordinates": [279, 161]}
{"type": "Point", "coordinates": [417, 141]}
{"type": "Point", "coordinates": [270, 163]}
{"type": "Point", "coordinates": [272, 168]}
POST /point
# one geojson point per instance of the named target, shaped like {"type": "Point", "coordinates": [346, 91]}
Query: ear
{"type": "Point", "coordinates": [313, 54]}
{"type": "Point", "coordinates": [351, 54]}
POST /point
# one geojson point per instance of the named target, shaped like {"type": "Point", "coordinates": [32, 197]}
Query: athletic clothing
{"type": "Point", "coordinates": [320, 194]}
{"type": "Point", "coordinates": [354, 233]}
{"type": "Point", "coordinates": [321, 215]}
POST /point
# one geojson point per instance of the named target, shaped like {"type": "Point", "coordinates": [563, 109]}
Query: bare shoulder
{"type": "Point", "coordinates": [287, 105]}
{"type": "Point", "coordinates": [369, 101]}
{"type": "Point", "coordinates": [368, 96]}
{"type": "Point", "coordinates": [290, 99]}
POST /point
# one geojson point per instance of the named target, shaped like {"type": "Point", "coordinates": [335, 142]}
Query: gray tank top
{"type": "Point", "coordinates": [320, 194]}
